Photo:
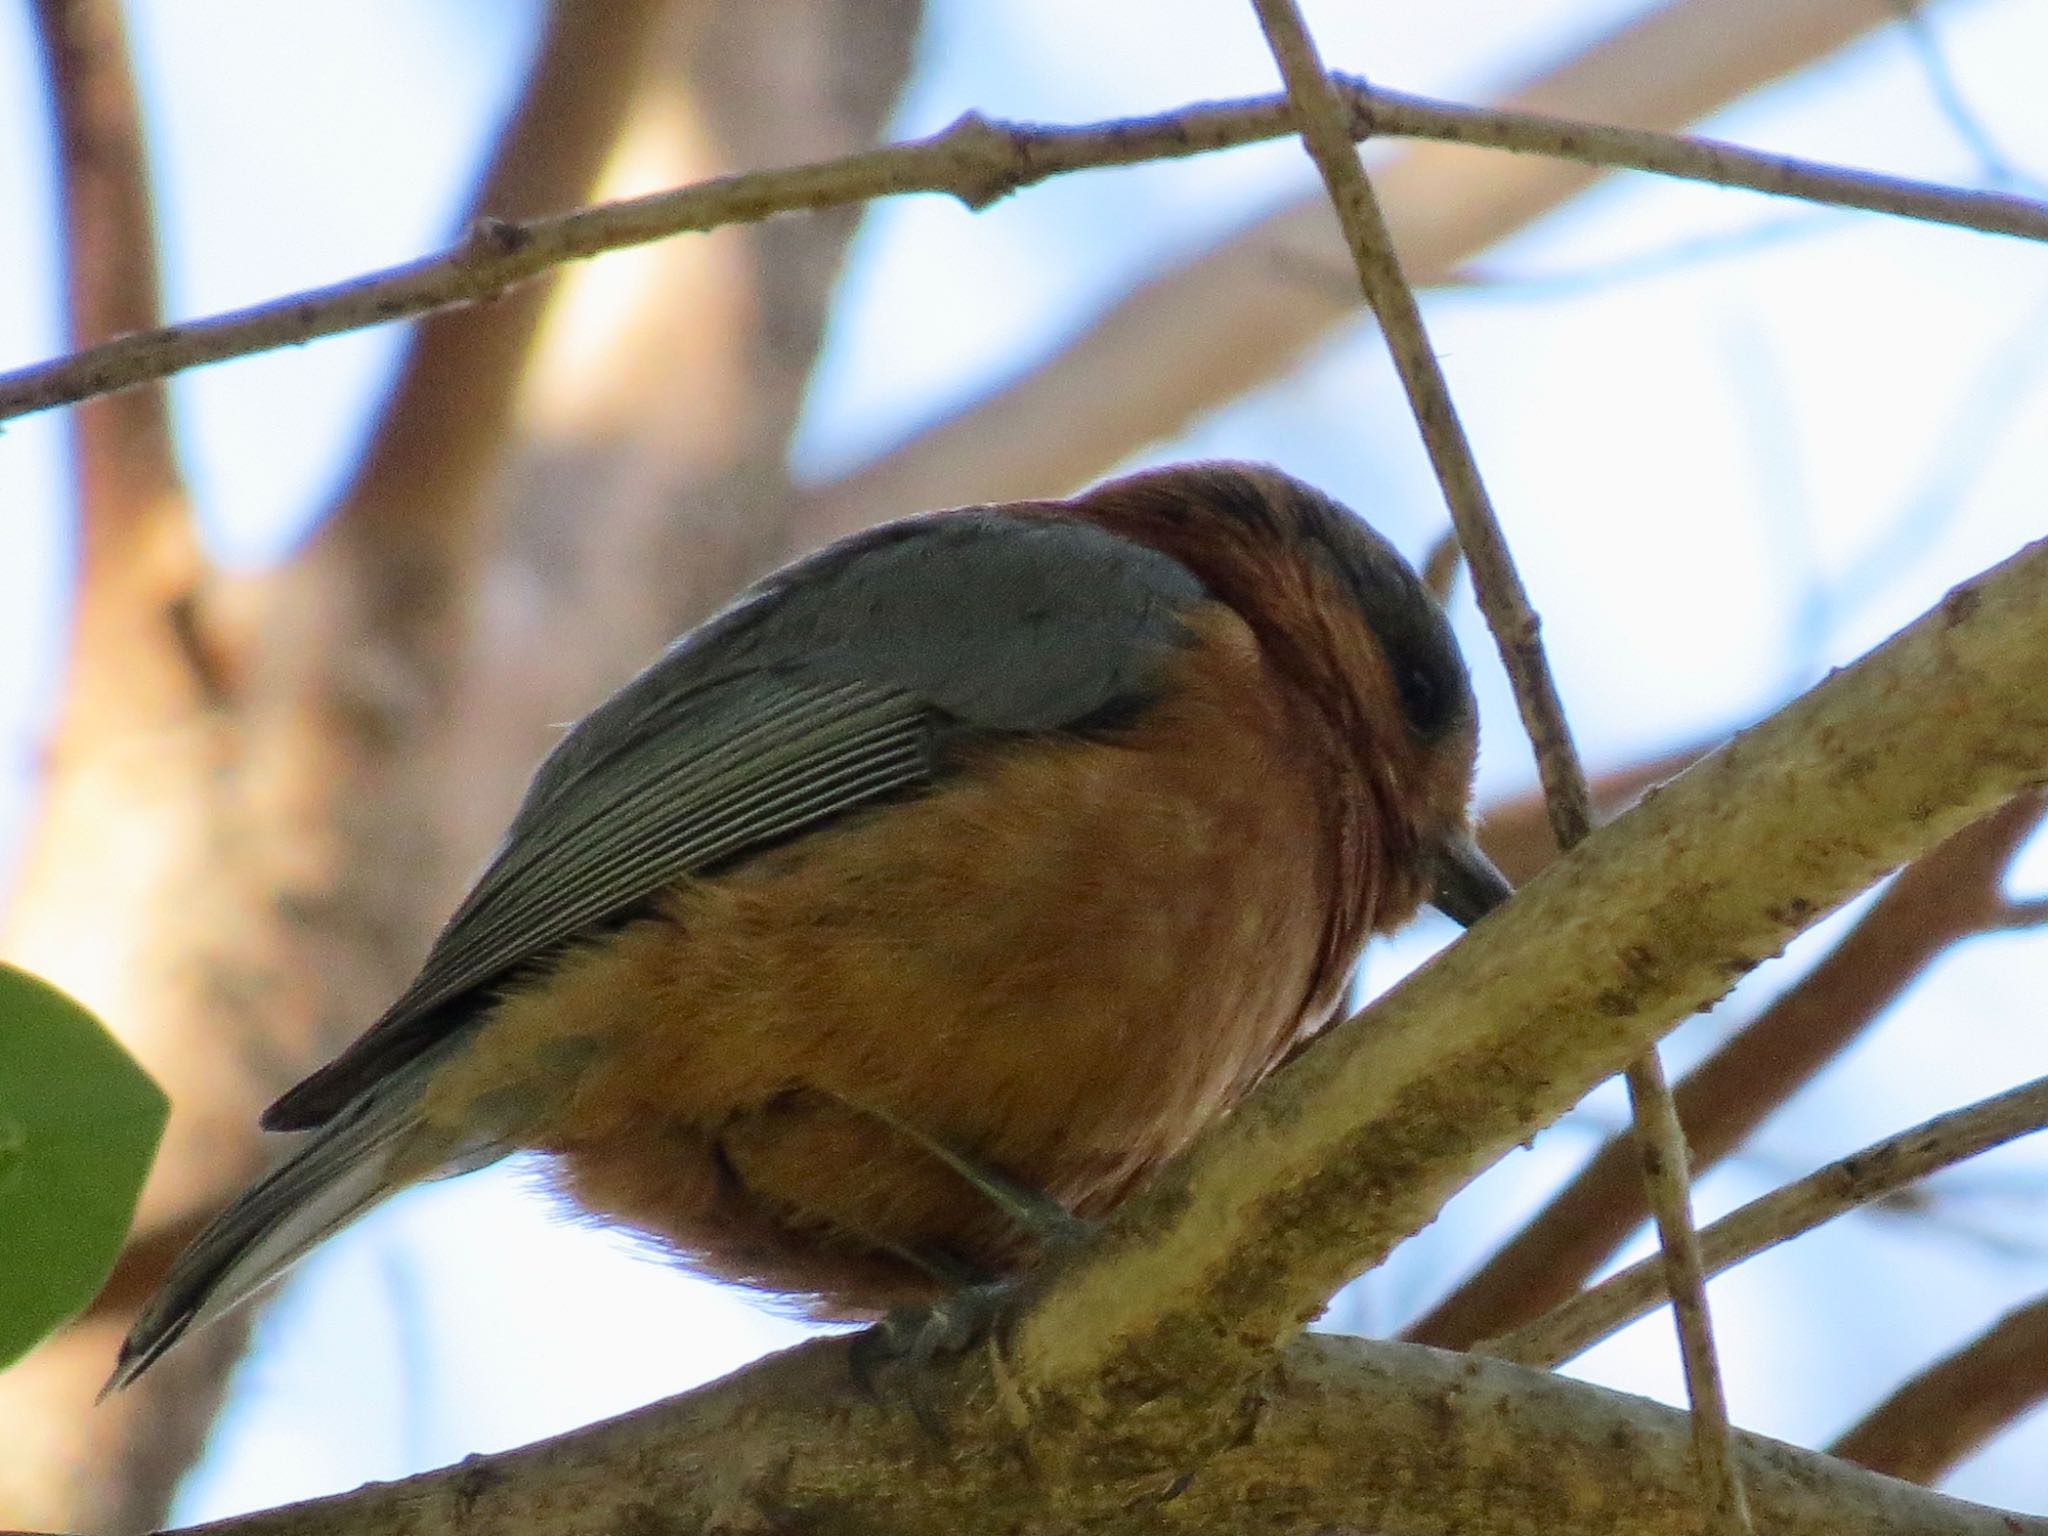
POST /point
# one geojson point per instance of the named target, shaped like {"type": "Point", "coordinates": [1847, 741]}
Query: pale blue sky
{"type": "Point", "coordinates": [1698, 463]}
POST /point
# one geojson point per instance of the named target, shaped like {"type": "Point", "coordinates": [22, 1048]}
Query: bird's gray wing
{"type": "Point", "coordinates": [834, 685]}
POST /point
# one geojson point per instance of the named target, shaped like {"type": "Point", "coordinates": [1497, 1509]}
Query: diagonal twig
{"type": "Point", "coordinates": [1712, 161]}
{"type": "Point", "coordinates": [1844, 1185]}
{"type": "Point", "coordinates": [1320, 109]}
{"type": "Point", "coordinates": [1667, 1182]}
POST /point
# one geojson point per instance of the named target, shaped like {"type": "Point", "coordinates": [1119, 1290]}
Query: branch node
{"type": "Point", "coordinates": [994, 159]}
{"type": "Point", "coordinates": [1355, 91]}
{"type": "Point", "coordinates": [490, 240]}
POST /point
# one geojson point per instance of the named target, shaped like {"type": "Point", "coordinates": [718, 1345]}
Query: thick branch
{"type": "Point", "coordinates": [649, 477]}
{"type": "Point", "coordinates": [376, 608]}
{"type": "Point", "coordinates": [1955, 1405]}
{"type": "Point", "coordinates": [137, 650]}
{"type": "Point", "coordinates": [1350, 1435]}
{"type": "Point", "coordinates": [1944, 897]}
{"type": "Point", "coordinates": [1861, 1178]}
{"type": "Point", "coordinates": [977, 161]}
{"type": "Point", "coordinates": [126, 773]}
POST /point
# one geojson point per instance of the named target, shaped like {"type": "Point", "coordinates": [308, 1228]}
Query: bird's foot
{"type": "Point", "coordinates": [916, 1338]}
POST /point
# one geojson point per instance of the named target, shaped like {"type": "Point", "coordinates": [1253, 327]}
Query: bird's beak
{"type": "Point", "coordinates": [1467, 885]}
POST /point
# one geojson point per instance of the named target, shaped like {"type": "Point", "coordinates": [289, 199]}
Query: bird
{"type": "Point", "coordinates": [992, 851]}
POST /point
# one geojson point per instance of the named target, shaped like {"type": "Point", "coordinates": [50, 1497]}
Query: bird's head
{"type": "Point", "coordinates": [1359, 634]}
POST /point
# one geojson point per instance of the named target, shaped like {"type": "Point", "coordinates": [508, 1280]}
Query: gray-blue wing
{"type": "Point", "coordinates": [832, 686]}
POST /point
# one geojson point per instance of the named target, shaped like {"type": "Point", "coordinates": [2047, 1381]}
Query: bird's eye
{"type": "Point", "coordinates": [1422, 697]}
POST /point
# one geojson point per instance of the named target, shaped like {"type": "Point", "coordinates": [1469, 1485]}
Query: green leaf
{"type": "Point", "coordinates": [79, 1125]}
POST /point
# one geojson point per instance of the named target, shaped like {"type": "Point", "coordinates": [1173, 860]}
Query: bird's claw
{"type": "Point", "coordinates": [916, 1338]}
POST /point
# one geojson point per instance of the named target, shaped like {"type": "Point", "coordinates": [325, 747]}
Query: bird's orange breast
{"type": "Point", "coordinates": [1063, 962]}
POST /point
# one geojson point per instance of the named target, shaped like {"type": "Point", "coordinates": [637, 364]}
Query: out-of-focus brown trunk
{"type": "Point", "coordinates": [650, 476]}
{"type": "Point", "coordinates": [243, 842]}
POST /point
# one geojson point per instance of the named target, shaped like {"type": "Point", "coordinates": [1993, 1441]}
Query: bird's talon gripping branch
{"type": "Point", "coordinates": [946, 884]}
{"type": "Point", "coordinates": [915, 1338]}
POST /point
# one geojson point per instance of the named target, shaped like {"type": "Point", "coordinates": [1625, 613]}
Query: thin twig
{"type": "Point", "coordinates": [1933, 1421]}
{"type": "Point", "coordinates": [1667, 1183]}
{"type": "Point", "coordinates": [1440, 566]}
{"type": "Point", "coordinates": [1861, 1178]}
{"type": "Point", "coordinates": [1325, 131]}
{"type": "Point", "coordinates": [1383, 112]}
{"type": "Point", "coordinates": [979, 161]}
{"type": "Point", "coordinates": [1321, 111]}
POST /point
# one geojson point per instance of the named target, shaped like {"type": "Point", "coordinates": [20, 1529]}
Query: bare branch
{"type": "Point", "coordinates": [1667, 1185]}
{"type": "Point", "coordinates": [1860, 1179]}
{"type": "Point", "coordinates": [1711, 161]}
{"type": "Point", "coordinates": [976, 160]}
{"type": "Point", "coordinates": [1321, 110]}
{"type": "Point", "coordinates": [1945, 896]}
{"type": "Point", "coordinates": [1956, 1404]}
{"type": "Point", "coordinates": [1441, 565]}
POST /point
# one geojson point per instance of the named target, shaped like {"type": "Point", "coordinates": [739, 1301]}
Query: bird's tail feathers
{"type": "Point", "coordinates": [339, 1172]}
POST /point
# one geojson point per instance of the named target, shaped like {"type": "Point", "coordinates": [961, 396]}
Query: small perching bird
{"type": "Point", "coordinates": [1004, 847]}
